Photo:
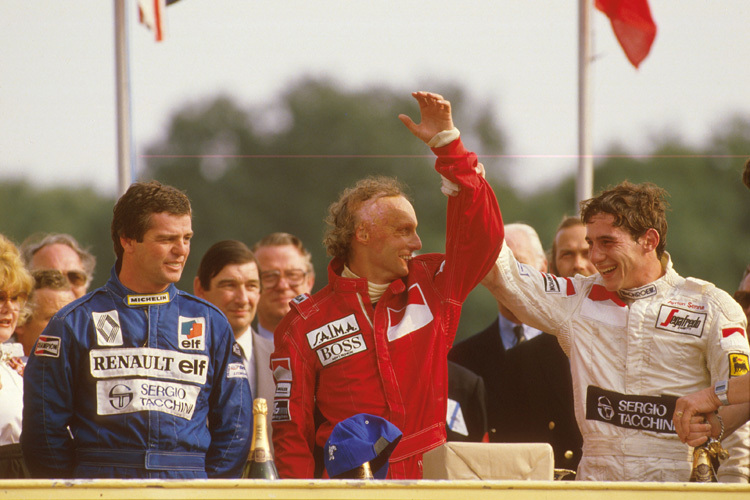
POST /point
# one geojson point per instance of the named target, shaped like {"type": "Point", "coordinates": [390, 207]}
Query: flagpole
{"type": "Point", "coordinates": [122, 82]}
{"type": "Point", "coordinates": [585, 178]}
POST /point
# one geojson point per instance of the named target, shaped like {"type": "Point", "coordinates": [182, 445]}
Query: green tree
{"type": "Point", "coordinates": [82, 213]}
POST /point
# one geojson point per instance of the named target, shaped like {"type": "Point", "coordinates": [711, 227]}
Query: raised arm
{"type": "Point", "coordinates": [435, 116]}
{"type": "Point", "coordinates": [474, 227]}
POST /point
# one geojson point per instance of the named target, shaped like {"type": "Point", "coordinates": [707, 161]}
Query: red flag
{"type": "Point", "coordinates": [151, 13]}
{"type": "Point", "coordinates": [633, 26]}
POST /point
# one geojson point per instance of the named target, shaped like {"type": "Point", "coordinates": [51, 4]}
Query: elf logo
{"type": "Point", "coordinates": [192, 334]}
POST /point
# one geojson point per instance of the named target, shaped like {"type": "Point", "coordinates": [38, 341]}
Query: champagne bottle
{"type": "Point", "coordinates": [260, 462]}
{"type": "Point", "coordinates": [364, 471]}
{"type": "Point", "coordinates": [703, 471]}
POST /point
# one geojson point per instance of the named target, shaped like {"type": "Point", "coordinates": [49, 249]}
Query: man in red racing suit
{"type": "Point", "coordinates": [375, 339]}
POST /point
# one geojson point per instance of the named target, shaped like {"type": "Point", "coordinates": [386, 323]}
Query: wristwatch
{"type": "Point", "coordinates": [720, 389]}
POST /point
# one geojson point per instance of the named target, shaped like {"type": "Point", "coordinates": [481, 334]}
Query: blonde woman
{"type": "Point", "coordinates": [15, 286]}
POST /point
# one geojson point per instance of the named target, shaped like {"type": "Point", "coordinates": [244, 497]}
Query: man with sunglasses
{"type": "Point", "coordinates": [63, 253]}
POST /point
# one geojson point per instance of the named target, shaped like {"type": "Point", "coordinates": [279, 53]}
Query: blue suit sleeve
{"type": "Point", "coordinates": [230, 413]}
{"type": "Point", "coordinates": [48, 403]}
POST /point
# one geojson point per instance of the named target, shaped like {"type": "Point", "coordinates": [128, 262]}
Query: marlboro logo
{"type": "Point", "coordinates": [414, 316]}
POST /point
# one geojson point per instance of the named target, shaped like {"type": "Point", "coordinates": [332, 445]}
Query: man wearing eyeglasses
{"type": "Point", "coordinates": [375, 339]}
{"type": "Point", "coordinates": [286, 271]}
{"type": "Point", "coordinates": [63, 253]}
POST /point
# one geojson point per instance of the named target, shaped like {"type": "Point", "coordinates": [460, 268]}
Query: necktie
{"type": "Point", "coordinates": [518, 331]}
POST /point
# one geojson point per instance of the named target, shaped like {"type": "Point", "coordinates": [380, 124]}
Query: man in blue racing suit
{"type": "Point", "coordinates": [139, 379]}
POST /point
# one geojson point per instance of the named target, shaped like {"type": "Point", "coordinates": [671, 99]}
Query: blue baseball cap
{"type": "Point", "coordinates": [358, 439]}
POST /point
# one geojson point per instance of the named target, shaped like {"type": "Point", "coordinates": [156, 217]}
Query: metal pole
{"type": "Point", "coordinates": [585, 179]}
{"type": "Point", "coordinates": [122, 80]}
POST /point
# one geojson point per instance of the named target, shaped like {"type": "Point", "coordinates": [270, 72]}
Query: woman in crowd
{"type": "Point", "coordinates": [15, 286]}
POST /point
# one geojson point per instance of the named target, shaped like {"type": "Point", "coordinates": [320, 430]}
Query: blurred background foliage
{"type": "Point", "coordinates": [250, 171]}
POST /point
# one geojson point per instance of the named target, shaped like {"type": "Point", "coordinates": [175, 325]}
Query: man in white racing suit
{"type": "Point", "coordinates": [638, 335]}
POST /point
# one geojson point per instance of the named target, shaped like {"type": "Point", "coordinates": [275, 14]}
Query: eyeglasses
{"type": "Point", "coordinates": [743, 298]}
{"type": "Point", "coordinates": [16, 300]}
{"type": "Point", "coordinates": [77, 278]}
{"type": "Point", "coordinates": [50, 278]}
{"type": "Point", "coordinates": [294, 277]}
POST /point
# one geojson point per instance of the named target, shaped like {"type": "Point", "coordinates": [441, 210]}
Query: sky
{"type": "Point", "coordinates": [57, 75]}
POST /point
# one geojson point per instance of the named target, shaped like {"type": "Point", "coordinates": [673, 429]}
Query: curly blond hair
{"type": "Point", "coordinates": [14, 278]}
{"type": "Point", "coordinates": [343, 218]}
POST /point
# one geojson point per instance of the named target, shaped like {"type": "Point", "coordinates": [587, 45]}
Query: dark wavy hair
{"type": "Point", "coordinates": [635, 207]}
{"type": "Point", "coordinates": [132, 213]}
{"type": "Point", "coordinates": [219, 256]}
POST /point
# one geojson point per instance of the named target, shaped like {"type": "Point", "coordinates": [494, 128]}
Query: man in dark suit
{"type": "Point", "coordinates": [525, 372]}
{"type": "Point", "coordinates": [467, 407]}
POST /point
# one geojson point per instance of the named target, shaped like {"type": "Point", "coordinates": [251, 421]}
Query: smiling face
{"type": "Point", "coordinates": [235, 290]}
{"type": "Point", "coordinates": [386, 239]}
{"type": "Point", "coordinates": [274, 300]}
{"type": "Point", "coordinates": [11, 303]}
{"type": "Point", "coordinates": [151, 265]}
{"type": "Point", "coordinates": [622, 261]}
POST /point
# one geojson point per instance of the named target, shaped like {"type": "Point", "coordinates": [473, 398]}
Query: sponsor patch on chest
{"type": "Point", "coordinates": [107, 325]}
{"type": "Point", "coordinates": [236, 370]}
{"type": "Point", "coordinates": [192, 334]}
{"type": "Point", "coordinates": [341, 349]}
{"type": "Point", "coordinates": [678, 320]}
{"type": "Point", "coordinates": [114, 397]}
{"type": "Point", "coordinates": [148, 362]}
{"type": "Point", "coordinates": [414, 316]}
{"type": "Point", "coordinates": [148, 300]}
{"type": "Point", "coordinates": [332, 331]}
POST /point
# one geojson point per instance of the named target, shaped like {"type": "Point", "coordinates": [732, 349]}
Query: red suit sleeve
{"type": "Point", "coordinates": [292, 420]}
{"type": "Point", "coordinates": [474, 232]}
